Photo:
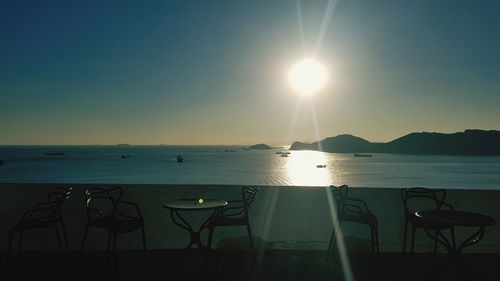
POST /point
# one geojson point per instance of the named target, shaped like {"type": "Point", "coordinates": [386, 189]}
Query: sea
{"type": "Point", "coordinates": [236, 165]}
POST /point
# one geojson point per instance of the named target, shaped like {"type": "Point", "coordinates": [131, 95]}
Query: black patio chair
{"type": "Point", "coordinates": [43, 215]}
{"type": "Point", "coordinates": [355, 211]}
{"type": "Point", "coordinates": [235, 214]}
{"type": "Point", "coordinates": [417, 199]}
{"type": "Point", "coordinates": [106, 210]}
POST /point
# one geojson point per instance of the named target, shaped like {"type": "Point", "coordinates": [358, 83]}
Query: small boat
{"type": "Point", "coordinates": [125, 156]}
{"type": "Point", "coordinates": [180, 159]}
{"type": "Point", "coordinates": [229, 150]}
{"type": "Point", "coordinates": [362, 155]}
{"type": "Point", "coordinates": [320, 166]}
{"type": "Point", "coordinates": [54, 153]}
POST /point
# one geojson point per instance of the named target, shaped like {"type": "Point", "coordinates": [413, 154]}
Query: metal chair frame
{"type": "Point", "coordinates": [115, 220]}
{"type": "Point", "coordinates": [355, 211]}
{"type": "Point", "coordinates": [46, 214]}
{"type": "Point", "coordinates": [235, 214]}
{"type": "Point", "coordinates": [437, 196]}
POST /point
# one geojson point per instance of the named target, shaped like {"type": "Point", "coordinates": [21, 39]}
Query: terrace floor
{"type": "Point", "coordinates": [238, 265]}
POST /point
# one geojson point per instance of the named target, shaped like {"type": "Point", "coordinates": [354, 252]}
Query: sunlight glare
{"type": "Point", "coordinates": [339, 237]}
{"type": "Point", "coordinates": [307, 76]}
{"type": "Point", "coordinates": [302, 170]}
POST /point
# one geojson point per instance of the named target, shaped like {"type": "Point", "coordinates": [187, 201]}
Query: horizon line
{"type": "Point", "coordinates": [270, 144]}
{"type": "Point", "coordinates": [161, 144]}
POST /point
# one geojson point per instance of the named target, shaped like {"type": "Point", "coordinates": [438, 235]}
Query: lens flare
{"type": "Point", "coordinates": [307, 76]}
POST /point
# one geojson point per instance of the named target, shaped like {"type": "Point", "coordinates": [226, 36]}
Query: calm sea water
{"type": "Point", "coordinates": [215, 165]}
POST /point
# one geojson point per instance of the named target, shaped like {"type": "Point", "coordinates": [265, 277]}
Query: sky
{"type": "Point", "coordinates": [215, 72]}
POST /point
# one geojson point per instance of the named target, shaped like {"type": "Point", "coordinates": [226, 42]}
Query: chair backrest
{"type": "Point", "coordinates": [248, 195]}
{"type": "Point", "coordinates": [421, 198]}
{"type": "Point", "coordinates": [102, 201]}
{"type": "Point", "coordinates": [340, 194]}
{"type": "Point", "coordinates": [56, 199]}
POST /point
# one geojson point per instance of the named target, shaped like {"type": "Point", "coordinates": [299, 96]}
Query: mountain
{"type": "Point", "coordinates": [342, 143]}
{"type": "Point", "coordinates": [260, 146]}
{"type": "Point", "coordinates": [303, 146]}
{"type": "Point", "coordinates": [469, 142]}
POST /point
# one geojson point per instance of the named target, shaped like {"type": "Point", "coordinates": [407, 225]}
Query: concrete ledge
{"type": "Point", "coordinates": [282, 217]}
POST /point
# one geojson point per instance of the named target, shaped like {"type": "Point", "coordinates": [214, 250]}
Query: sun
{"type": "Point", "coordinates": [307, 76]}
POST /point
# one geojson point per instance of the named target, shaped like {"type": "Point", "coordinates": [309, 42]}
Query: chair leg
{"type": "Point", "coordinates": [254, 253]}
{"type": "Point", "coordinates": [405, 231]}
{"type": "Point", "coordinates": [114, 235]}
{"type": "Point", "coordinates": [435, 243]}
{"type": "Point", "coordinates": [146, 260]}
{"type": "Point", "coordinates": [144, 238]}
{"type": "Point", "coordinates": [108, 245]}
{"type": "Point", "coordinates": [452, 233]}
{"type": "Point", "coordinates": [412, 248]}
{"type": "Point", "coordinates": [9, 246]}
{"type": "Point", "coordinates": [59, 243]}
{"type": "Point", "coordinates": [375, 246]}
{"type": "Point", "coordinates": [331, 244]}
{"type": "Point", "coordinates": [412, 239]}
{"type": "Point", "coordinates": [85, 232]}
{"type": "Point", "coordinates": [249, 230]}
{"type": "Point", "coordinates": [21, 234]}
{"type": "Point", "coordinates": [372, 233]}
{"type": "Point", "coordinates": [65, 236]}
{"type": "Point", "coordinates": [210, 237]}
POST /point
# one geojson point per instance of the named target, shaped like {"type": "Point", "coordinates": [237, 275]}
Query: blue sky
{"type": "Point", "coordinates": [215, 72]}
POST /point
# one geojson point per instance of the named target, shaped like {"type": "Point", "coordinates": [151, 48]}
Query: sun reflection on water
{"type": "Point", "coordinates": [302, 168]}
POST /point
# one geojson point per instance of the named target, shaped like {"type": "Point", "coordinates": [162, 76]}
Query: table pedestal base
{"type": "Point", "coordinates": [455, 252]}
{"type": "Point", "coordinates": [195, 237]}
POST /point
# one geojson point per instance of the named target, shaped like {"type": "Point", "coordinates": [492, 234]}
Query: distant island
{"type": "Point", "coordinates": [469, 142]}
{"type": "Point", "coordinates": [260, 146]}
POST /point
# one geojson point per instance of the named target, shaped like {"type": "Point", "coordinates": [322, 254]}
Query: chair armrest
{"type": "Point", "coordinates": [111, 190]}
{"type": "Point", "coordinates": [353, 209]}
{"type": "Point", "coordinates": [136, 207]}
{"type": "Point", "coordinates": [363, 203]}
{"type": "Point", "coordinates": [40, 207]}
